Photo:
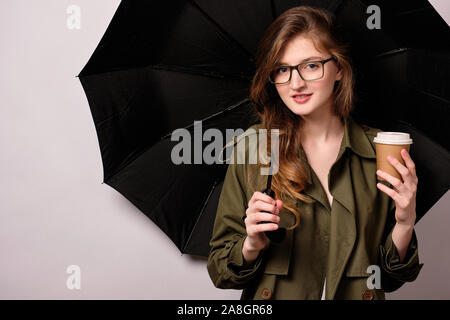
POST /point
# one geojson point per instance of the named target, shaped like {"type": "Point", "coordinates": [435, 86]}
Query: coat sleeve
{"type": "Point", "coordinates": [396, 273]}
{"type": "Point", "coordinates": [225, 261]}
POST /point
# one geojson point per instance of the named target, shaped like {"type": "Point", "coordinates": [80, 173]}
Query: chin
{"type": "Point", "coordinates": [302, 109]}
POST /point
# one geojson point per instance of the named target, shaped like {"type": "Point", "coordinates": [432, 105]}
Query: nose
{"type": "Point", "coordinates": [296, 80]}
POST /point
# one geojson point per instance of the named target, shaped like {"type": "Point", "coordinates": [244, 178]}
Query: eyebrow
{"type": "Point", "coordinates": [307, 59]}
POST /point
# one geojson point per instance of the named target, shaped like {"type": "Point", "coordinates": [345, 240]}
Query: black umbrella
{"type": "Point", "coordinates": [161, 66]}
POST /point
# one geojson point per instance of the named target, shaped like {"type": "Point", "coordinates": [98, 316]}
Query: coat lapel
{"type": "Point", "coordinates": [342, 225]}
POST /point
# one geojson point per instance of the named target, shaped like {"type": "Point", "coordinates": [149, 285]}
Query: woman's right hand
{"type": "Point", "coordinates": [256, 240]}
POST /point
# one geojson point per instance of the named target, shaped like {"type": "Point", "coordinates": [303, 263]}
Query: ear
{"type": "Point", "coordinates": [339, 74]}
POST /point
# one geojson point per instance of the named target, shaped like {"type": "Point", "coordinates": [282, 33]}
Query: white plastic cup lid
{"type": "Point", "coordinates": [393, 138]}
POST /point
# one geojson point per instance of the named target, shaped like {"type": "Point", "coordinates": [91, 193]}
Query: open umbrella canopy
{"type": "Point", "coordinates": [160, 66]}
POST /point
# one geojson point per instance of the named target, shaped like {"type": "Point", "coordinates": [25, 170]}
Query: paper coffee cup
{"type": "Point", "coordinates": [391, 144]}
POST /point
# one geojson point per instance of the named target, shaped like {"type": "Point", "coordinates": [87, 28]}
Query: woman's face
{"type": "Point", "coordinates": [300, 49]}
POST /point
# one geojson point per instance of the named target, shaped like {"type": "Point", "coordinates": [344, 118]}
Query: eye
{"type": "Point", "coordinates": [312, 66]}
{"type": "Point", "coordinates": [281, 70]}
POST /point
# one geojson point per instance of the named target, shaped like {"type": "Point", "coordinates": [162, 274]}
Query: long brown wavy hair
{"type": "Point", "coordinates": [320, 26]}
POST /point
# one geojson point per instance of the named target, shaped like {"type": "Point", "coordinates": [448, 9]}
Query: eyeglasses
{"type": "Point", "coordinates": [308, 71]}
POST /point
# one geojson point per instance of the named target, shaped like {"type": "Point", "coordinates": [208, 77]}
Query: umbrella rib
{"type": "Point", "coordinates": [390, 53]}
{"type": "Point", "coordinates": [181, 69]}
{"type": "Point", "coordinates": [222, 30]}
{"type": "Point", "coordinates": [213, 115]}
{"type": "Point", "coordinates": [430, 7]}
{"type": "Point", "coordinates": [200, 215]}
{"type": "Point", "coordinates": [169, 135]}
{"type": "Point", "coordinates": [433, 95]}
{"type": "Point", "coordinates": [272, 8]}
{"type": "Point", "coordinates": [335, 6]}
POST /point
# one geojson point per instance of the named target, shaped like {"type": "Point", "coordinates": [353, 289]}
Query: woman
{"type": "Point", "coordinates": [347, 236]}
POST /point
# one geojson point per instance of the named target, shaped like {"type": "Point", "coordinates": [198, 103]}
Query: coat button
{"type": "Point", "coordinates": [367, 295]}
{"type": "Point", "coordinates": [266, 293]}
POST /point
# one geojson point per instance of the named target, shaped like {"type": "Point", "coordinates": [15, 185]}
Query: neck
{"type": "Point", "coordinates": [319, 129]}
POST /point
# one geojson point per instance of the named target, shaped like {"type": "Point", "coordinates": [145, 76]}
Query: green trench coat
{"type": "Point", "coordinates": [357, 233]}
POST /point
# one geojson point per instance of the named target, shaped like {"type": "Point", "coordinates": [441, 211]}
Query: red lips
{"type": "Point", "coordinates": [302, 98]}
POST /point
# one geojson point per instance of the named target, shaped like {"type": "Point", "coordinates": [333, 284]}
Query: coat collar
{"type": "Point", "coordinates": [354, 139]}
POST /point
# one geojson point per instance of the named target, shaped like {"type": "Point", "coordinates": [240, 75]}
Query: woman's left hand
{"type": "Point", "coordinates": [404, 193]}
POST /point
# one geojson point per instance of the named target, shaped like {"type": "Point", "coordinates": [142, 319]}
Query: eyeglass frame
{"type": "Point", "coordinates": [300, 74]}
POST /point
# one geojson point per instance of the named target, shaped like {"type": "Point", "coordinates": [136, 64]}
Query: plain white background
{"type": "Point", "coordinates": [54, 210]}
